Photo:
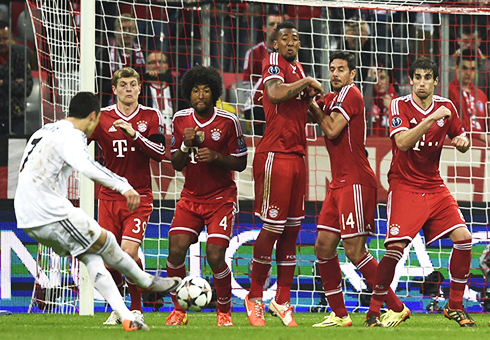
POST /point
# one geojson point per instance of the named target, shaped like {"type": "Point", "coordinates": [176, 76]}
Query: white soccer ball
{"type": "Point", "coordinates": [194, 293]}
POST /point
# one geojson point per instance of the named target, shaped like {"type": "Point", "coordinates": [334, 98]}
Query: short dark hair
{"type": "Point", "coordinates": [424, 63]}
{"type": "Point", "coordinates": [202, 75]}
{"type": "Point", "coordinates": [284, 25]}
{"type": "Point", "coordinates": [466, 54]}
{"type": "Point", "coordinates": [344, 55]}
{"type": "Point", "coordinates": [82, 104]}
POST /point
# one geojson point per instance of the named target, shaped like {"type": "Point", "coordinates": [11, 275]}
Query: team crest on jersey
{"type": "Point", "coordinates": [142, 126]}
{"type": "Point", "coordinates": [273, 211]}
{"type": "Point", "coordinates": [215, 134]}
{"type": "Point", "coordinates": [274, 69]}
{"type": "Point", "coordinates": [440, 122]}
{"type": "Point", "coordinates": [396, 122]}
{"type": "Point", "coordinates": [394, 229]}
{"type": "Point", "coordinates": [199, 136]}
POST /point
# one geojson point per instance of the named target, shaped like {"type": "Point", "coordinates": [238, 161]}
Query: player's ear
{"type": "Point", "coordinates": [93, 115]}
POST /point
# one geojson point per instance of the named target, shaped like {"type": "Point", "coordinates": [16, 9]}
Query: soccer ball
{"type": "Point", "coordinates": [194, 293]}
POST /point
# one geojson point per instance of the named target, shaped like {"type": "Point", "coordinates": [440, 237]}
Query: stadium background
{"type": "Point", "coordinates": [219, 33]}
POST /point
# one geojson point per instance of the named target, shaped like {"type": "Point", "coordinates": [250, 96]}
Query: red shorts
{"type": "Point", "coordinates": [437, 214]}
{"type": "Point", "coordinates": [280, 187]}
{"type": "Point", "coordinates": [349, 211]}
{"type": "Point", "coordinates": [191, 217]}
{"type": "Point", "coordinates": [125, 225]}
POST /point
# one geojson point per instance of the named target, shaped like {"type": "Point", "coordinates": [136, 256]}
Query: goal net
{"type": "Point", "coordinates": [385, 37]}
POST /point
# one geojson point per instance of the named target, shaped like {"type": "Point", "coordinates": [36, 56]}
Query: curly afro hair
{"type": "Point", "coordinates": [201, 75]}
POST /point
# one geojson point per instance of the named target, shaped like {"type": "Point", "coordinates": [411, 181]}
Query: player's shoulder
{"type": "Point", "coordinates": [183, 113]}
{"type": "Point", "coordinates": [349, 92]}
{"type": "Point", "coordinates": [443, 101]}
{"type": "Point", "coordinates": [223, 114]}
{"type": "Point", "coordinates": [110, 108]}
{"type": "Point", "coordinates": [439, 99]}
{"type": "Point", "coordinates": [148, 110]}
{"type": "Point", "coordinates": [402, 99]}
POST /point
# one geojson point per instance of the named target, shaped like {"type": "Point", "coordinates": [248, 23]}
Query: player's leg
{"type": "Point", "coordinates": [459, 269]}
{"type": "Point", "coordinates": [357, 205]}
{"type": "Point", "coordinates": [111, 222]}
{"type": "Point", "coordinates": [220, 221]}
{"type": "Point", "coordinates": [273, 180]}
{"type": "Point", "coordinates": [267, 194]}
{"type": "Point", "coordinates": [102, 281]}
{"type": "Point", "coordinates": [184, 231]}
{"type": "Point", "coordinates": [280, 306]}
{"type": "Point", "coordinates": [133, 231]}
{"type": "Point", "coordinates": [328, 238]}
{"type": "Point", "coordinates": [81, 236]}
{"type": "Point", "coordinates": [112, 254]}
{"type": "Point", "coordinates": [447, 220]}
{"type": "Point", "coordinates": [402, 227]}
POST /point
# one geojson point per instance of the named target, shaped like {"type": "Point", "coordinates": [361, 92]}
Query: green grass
{"type": "Point", "coordinates": [202, 326]}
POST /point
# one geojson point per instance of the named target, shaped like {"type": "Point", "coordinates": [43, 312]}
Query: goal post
{"type": "Point", "coordinates": [385, 37]}
{"type": "Point", "coordinates": [87, 63]}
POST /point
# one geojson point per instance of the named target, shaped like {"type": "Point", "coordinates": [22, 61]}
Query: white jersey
{"type": "Point", "coordinates": [49, 159]}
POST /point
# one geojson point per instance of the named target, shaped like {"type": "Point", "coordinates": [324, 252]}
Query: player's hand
{"type": "Point", "coordinates": [207, 155]}
{"type": "Point", "coordinates": [441, 113]}
{"type": "Point", "coordinates": [315, 86]}
{"type": "Point", "coordinates": [125, 127]}
{"type": "Point", "coordinates": [462, 144]}
{"type": "Point", "coordinates": [190, 135]}
{"type": "Point", "coordinates": [133, 199]}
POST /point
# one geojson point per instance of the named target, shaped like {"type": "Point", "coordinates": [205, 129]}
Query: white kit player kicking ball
{"type": "Point", "coordinates": [207, 142]}
{"type": "Point", "coordinates": [44, 212]}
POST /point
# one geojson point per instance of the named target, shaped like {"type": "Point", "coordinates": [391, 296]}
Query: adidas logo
{"type": "Point", "coordinates": [413, 121]}
{"type": "Point", "coordinates": [112, 129]}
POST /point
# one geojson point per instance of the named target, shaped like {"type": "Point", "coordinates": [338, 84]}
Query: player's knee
{"type": "Point", "coordinates": [215, 255]}
{"type": "Point", "coordinates": [354, 254]}
{"type": "Point", "coordinates": [177, 247]}
{"type": "Point", "coordinates": [110, 240]}
{"type": "Point", "coordinates": [325, 247]}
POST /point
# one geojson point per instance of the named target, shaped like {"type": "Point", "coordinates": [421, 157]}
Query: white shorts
{"type": "Point", "coordinates": [72, 236]}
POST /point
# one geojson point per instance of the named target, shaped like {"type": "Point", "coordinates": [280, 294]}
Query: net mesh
{"type": "Point", "coordinates": [385, 38]}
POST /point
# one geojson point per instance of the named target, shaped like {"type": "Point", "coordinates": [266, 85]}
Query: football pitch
{"type": "Point", "coordinates": [202, 326]}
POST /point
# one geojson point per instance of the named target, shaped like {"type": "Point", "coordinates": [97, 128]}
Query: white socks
{"type": "Point", "coordinates": [103, 282]}
{"type": "Point", "coordinates": [116, 258]}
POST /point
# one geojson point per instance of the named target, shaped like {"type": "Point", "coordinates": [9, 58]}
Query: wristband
{"type": "Point", "coordinates": [184, 148]}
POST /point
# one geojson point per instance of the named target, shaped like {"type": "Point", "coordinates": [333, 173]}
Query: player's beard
{"type": "Point", "coordinates": [290, 58]}
{"type": "Point", "coordinates": [204, 110]}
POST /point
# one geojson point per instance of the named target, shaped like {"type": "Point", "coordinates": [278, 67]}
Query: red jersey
{"type": "Point", "coordinates": [221, 132]}
{"type": "Point", "coordinates": [473, 110]}
{"type": "Point", "coordinates": [129, 157]}
{"type": "Point", "coordinates": [417, 169]}
{"type": "Point", "coordinates": [252, 72]}
{"type": "Point", "coordinates": [348, 160]}
{"type": "Point", "coordinates": [285, 121]}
